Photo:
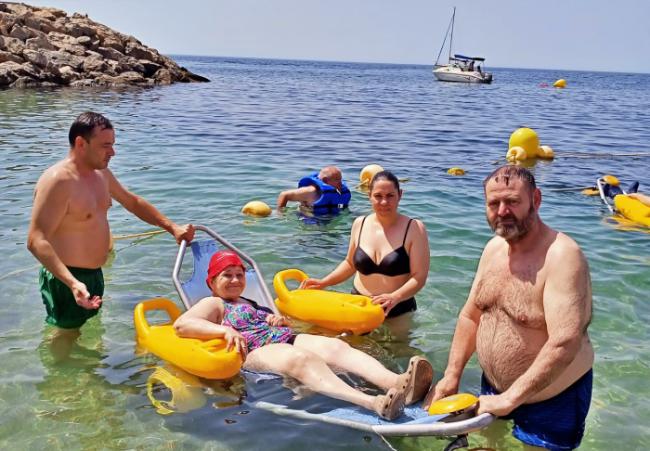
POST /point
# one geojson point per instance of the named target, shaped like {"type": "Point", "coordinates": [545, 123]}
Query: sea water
{"type": "Point", "coordinates": [199, 152]}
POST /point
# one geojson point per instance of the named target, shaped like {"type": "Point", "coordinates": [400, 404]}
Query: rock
{"type": "Point", "coordinates": [93, 64]}
{"type": "Point", "coordinates": [46, 47]}
{"type": "Point", "coordinates": [8, 56]}
{"type": "Point", "coordinates": [67, 74]}
{"type": "Point", "coordinates": [130, 77]}
{"type": "Point", "coordinates": [9, 72]}
{"type": "Point", "coordinates": [110, 53]}
{"type": "Point", "coordinates": [31, 21]}
{"type": "Point", "coordinates": [113, 43]}
{"type": "Point", "coordinates": [139, 52]}
{"type": "Point", "coordinates": [61, 58]}
{"type": "Point", "coordinates": [39, 43]}
{"type": "Point", "coordinates": [150, 68]}
{"type": "Point", "coordinates": [12, 45]}
{"type": "Point", "coordinates": [84, 40]}
{"type": "Point", "coordinates": [37, 58]}
{"type": "Point", "coordinates": [20, 32]}
{"type": "Point", "coordinates": [163, 76]}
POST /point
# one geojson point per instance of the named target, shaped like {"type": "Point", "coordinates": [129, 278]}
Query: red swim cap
{"type": "Point", "coordinates": [220, 261]}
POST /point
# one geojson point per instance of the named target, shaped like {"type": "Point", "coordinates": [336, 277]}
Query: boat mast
{"type": "Point", "coordinates": [449, 27]}
{"type": "Point", "coordinates": [451, 36]}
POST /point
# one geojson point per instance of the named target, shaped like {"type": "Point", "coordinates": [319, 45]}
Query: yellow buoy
{"type": "Point", "coordinates": [455, 171]}
{"type": "Point", "coordinates": [452, 404]}
{"type": "Point", "coordinates": [368, 173]}
{"type": "Point", "coordinates": [256, 208]}
{"type": "Point", "coordinates": [525, 138]}
{"type": "Point", "coordinates": [545, 152]}
{"type": "Point", "coordinates": [561, 83]}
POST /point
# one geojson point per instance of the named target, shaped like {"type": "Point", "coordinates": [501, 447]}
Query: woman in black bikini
{"type": "Point", "coordinates": [388, 253]}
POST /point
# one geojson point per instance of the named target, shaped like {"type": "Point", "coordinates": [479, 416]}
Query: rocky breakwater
{"type": "Point", "coordinates": [46, 47]}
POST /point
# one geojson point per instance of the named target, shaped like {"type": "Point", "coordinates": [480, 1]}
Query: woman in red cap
{"type": "Point", "coordinates": [268, 344]}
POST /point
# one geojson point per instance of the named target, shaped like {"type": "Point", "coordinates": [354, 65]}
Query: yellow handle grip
{"type": "Point", "coordinates": [279, 281]}
{"type": "Point", "coordinates": [139, 314]}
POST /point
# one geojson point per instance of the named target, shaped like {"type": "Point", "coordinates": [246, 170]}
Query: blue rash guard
{"type": "Point", "coordinates": [331, 200]}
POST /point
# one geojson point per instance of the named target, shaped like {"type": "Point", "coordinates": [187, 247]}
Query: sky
{"type": "Point", "coordinates": [600, 35]}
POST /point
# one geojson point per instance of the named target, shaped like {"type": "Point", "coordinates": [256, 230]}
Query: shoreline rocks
{"type": "Point", "coordinates": [44, 47]}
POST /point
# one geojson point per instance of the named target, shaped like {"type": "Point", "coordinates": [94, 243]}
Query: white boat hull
{"type": "Point", "coordinates": [455, 74]}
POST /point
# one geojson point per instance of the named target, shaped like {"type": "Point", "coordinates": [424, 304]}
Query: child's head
{"type": "Point", "coordinates": [226, 275]}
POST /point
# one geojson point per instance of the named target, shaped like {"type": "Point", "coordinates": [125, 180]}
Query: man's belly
{"type": "Point", "coordinates": [83, 247]}
{"type": "Point", "coordinates": [506, 351]}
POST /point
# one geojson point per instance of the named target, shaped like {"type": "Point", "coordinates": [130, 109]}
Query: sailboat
{"type": "Point", "coordinates": [460, 68]}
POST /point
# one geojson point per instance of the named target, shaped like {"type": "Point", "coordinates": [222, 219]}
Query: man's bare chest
{"type": "Point", "coordinates": [517, 294]}
{"type": "Point", "coordinates": [88, 199]}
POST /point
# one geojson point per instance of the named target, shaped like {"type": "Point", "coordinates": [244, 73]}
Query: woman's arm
{"type": "Point", "coordinates": [203, 321]}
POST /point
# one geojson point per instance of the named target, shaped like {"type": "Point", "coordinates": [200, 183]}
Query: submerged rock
{"type": "Point", "coordinates": [46, 47]}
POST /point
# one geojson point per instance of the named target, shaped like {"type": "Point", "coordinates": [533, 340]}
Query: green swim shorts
{"type": "Point", "coordinates": [62, 309]}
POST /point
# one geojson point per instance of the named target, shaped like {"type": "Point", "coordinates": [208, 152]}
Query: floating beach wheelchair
{"type": "Point", "coordinates": [617, 201]}
{"type": "Point", "coordinates": [209, 359]}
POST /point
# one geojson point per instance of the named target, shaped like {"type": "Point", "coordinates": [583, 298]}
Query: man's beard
{"type": "Point", "coordinates": [512, 229]}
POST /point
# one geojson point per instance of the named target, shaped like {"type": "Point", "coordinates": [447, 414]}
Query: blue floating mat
{"type": "Point", "coordinates": [411, 415]}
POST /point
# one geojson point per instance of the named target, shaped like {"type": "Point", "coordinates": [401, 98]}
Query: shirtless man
{"type": "Point", "coordinates": [324, 191]}
{"type": "Point", "coordinates": [526, 317]}
{"type": "Point", "coordinates": [69, 232]}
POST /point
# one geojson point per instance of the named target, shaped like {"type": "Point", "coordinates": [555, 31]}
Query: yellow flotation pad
{"type": "Point", "coordinates": [204, 358]}
{"type": "Point", "coordinates": [453, 404]}
{"type": "Point", "coordinates": [633, 209]}
{"type": "Point", "coordinates": [340, 312]}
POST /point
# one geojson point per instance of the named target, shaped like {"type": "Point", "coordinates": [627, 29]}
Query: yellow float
{"type": "Point", "coordinates": [256, 208]}
{"type": "Point", "coordinates": [524, 145]}
{"type": "Point", "coordinates": [340, 312]}
{"type": "Point", "coordinates": [368, 173]}
{"type": "Point", "coordinates": [633, 209]}
{"type": "Point", "coordinates": [204, 358]}
{"type": "Point", "coordinates": [561, 83]}
{"type": "Point", "coordinates": [455, 171]}
{"type": "Point", "coordinates": [454, 404]}
{"type": "Point", "coordinates": [186, 391]}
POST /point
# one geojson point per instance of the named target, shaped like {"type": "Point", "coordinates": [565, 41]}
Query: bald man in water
{"type": "Point", "coordinates": [526, 317]}
{"type": "Point", "coordinates": [69, 232]}
{"type": "Point", "coordinates": [327, 186]}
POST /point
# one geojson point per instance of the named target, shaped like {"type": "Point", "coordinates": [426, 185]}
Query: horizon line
{"type": "Point", "coordinates": [396, 64]}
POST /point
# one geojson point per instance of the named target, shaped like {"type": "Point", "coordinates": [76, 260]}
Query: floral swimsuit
{"type": "Point", "coordinates": [250, 321]}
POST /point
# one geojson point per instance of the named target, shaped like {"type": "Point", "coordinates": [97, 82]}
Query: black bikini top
{"type": "Point", "coordinates": [395, 263]}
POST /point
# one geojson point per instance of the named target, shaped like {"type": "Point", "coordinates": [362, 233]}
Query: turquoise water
{"type": "Point", "coordinates": [199, 152]}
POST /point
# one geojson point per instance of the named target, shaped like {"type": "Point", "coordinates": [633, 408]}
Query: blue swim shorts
{"type": "Point", "coordinates": [557, 423]}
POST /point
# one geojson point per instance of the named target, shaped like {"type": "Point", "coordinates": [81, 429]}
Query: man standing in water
{"type": "Point", "coordinates": [69, 232]}
{"type": "Point", "coordinates": [526, 317]}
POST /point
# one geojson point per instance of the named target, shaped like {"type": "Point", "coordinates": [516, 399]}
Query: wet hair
{"type": "Point", "coordinates": [384, 175]}
{"type": "Point", "coordinates": [84, 125]}
{"type": "Point", "coordinates": [507, 172]}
